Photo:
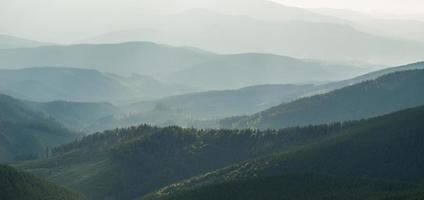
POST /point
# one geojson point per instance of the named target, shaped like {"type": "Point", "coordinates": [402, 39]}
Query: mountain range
{"type": "Point", "coordinates": [371, 98]}
{"type": "Point", "coordinates": [82, 85]}
{"type": "Point", "coordinates": [238, 32]}
{"type": "Point", "coordinates": [181, 65]}
{"type": "Point", "coordinates": [134, 162]}
{"type": "Point", "coordinates": [10, 42]}
{"type": "Point", "coordinates": [372, 149]}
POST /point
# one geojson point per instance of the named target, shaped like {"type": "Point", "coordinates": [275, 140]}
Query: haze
{"type": "Point", "coordinates": [68, 21]}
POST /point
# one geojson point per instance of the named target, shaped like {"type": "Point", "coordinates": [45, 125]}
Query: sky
{"type": "Point", "coordinates": [69, 20]}
{"type": "Point", "coordinates": [396, 7]}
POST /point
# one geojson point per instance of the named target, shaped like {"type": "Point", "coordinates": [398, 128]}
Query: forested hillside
{"type": "Point", "coordinates": [371, 98]}
{"type": "Point", "coordinates": [301, 187]}
{"type": "Point", "coordinates": [25, 134]}
{"type": "Point", "coordinates": [128, 163]}
{"type": "Point", "coordinates": [386, 148]}
{"type": "Point", "coordinates": [17, 185]}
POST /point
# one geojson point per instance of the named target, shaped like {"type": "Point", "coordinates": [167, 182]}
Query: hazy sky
{"type": "Point", "coordinates": [402, 7]}
{"type": "Point", "coordinates": [70, 20]}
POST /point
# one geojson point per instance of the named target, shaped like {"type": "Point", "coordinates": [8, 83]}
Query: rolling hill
{"type": "Point", "coordinates": [371, 98]}
{"type": "Point", "coordinates": [241, 70]}
{"type": "Point", "coordinates": [384, 148]}
{"type": "Point", "coordinates": [10, 42]}
{"type": "Point", "coordinates": [178, 64]}
{"type": "Point", "coordinates": [74, 115]}
{"type": "Point", "coordinates": [81, 85]}
{"type": "Point", "coordinates": [26, 133]}
{"type": "Point", "coordinates": [216, 104]}
{"type": "Point", "coordinates": [133, 162]}
{"type": "Point", "coordinates": [126, 58]}
{"type": "Point", "coordinates": [17, 185]}
{"type": "Point", "coordinates": [128, 163]}
{"type": "Point", "coordinates": [202, 109]}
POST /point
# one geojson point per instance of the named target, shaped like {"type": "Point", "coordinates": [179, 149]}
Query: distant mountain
{"type": "Point", "coordinates": [184, 66]}
{"type": "Point", "coordinates": [239, 32]}
{"type": "Point", "coordinates": [384, 148]}
{"type": "Point", "coordinates": [407, 29]}
{"type": "Point", "coordinates": [216, 104]}
{"type": "Point", "coordinates": [26, 133]}
{"type": "Point", "coordinates": [17, 185]}
{"type": "Point", "coordinates": [82, 85]}
{"type": "Point", "coordinates": [366, 77]}
{"type": "Point", "coordinates": [240, 70]}
{"type": "Point", "coordinates": [75, 116]}
{"type": "Point", "coordinates": [127, 58]}
{"type": "Point", "coordinates": [202, 109]}
{"type": "Point", "coordinates": [372, 98]}
{"type": "Point", "coordinates": [9, 42]}
{"type": "Point", "coordinates": [56, 83]}
{"type": "Point", "coordinates": [149, 88]}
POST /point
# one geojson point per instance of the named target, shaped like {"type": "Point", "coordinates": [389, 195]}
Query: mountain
{"type": "Point", "coordinates": [74, 115]}
{"type": "Point", "coordinates": [9, 42]}
{"type": "Point", "coordinates": [217, 104]}
{"type": "Point", "coordinates": [407, 29]}
{"type": "Point", "coordinates": [370, 76]}
{"type": "Point", "coordinates": [25, 133]}
{"type": "Point", "coordinates": [126, 58]}
{"type": "Point", "coordinates": [238, 32]}
{"type": "Point", "coordinates": [240, 70]}
{"type": "Point", "coordinates": [383, 148]}
{"type": "Point", "coordinates": [150, 88]}
{"type": "Point", "coordinates": [203, 108]}
{"type": "Point", "coordinates": [81, 85]}
{"type": "Point", "coordinates": [15, 185]}
{"type": "Point", "coordinates": [134, 162]}
{"type": "Point", "coordinates": [128, 163]}
{"type": "Point", "coordinates": [371, 98]}
{"type": "Point", "coordinates": [179, 65]}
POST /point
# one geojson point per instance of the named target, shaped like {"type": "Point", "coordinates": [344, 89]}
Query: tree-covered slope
{"type": "Point", "coordinates": [27, 133]}
{"type": "Point", "coordinates": [298, 187]}
{"type": "Point", "coordinates": [17, 185]}
{"type": "Point", "coordinates": [371, 98]}
{"type": "Point", "coordinates": [128, 163]}
{"type": "Point", "coordinates": [75, 116]}
{"type": "Point", "coordinates": [387, 147]}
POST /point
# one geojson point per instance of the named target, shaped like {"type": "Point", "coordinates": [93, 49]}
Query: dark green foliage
{"type": "Point", "coordinates": [127, 163]}
{"type": "Point", "coordinates": [132, 162]}
{"type": "Point", "coordinates": [24, 131]}
{"type": "Point", "coordinates": [295, 187]}
{"type": "Point", "coordinates": [16, 185]}
{"type": "Point", "coordinates": [386, 94]}
{"type": "Point", "coordinates": [388, 147]}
